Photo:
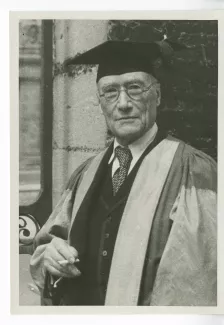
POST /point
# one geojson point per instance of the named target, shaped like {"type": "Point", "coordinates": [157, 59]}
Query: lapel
{"type": "Point", "coordinates": [123, 193]}
{"type": "Point", "coordinates": [78, 231]}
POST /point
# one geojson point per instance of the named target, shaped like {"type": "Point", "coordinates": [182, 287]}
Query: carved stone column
{"type": "Point", "coordinates": [79, 129]}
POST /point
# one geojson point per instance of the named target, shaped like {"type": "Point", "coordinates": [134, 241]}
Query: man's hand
{"type": "Point", "coordinates": [56, 251]}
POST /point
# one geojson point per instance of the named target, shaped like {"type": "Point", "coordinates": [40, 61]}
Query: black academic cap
{"type": "Point", "coordinates": [118, 57]}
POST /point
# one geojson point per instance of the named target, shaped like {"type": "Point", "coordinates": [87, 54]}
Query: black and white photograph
{"type": "Point", "coordinates": [118, 162]}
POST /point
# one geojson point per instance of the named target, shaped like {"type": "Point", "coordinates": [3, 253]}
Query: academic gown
{"type": "Point", "coordinates": [169, 243]}
{"type": "Point", "coordinates": [94, 234]}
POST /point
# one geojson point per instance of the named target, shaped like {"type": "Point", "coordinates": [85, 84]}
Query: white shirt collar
{"type": "Point", "coordinates": [138, 147]}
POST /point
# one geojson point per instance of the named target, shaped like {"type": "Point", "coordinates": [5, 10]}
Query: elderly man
{"type": "Point", "coordinates": [136, 224]}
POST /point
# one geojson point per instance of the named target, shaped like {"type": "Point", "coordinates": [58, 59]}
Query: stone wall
{"type": "Point", "coordinates": [78, 125]}
{"type": "Point", "coordinates": [29, 94]}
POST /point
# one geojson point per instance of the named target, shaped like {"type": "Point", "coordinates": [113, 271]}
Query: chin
{"type": "Point", "coordinates": [128, 137]}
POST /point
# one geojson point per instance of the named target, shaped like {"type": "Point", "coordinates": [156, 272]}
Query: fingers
{"type": "Point", "coordinates": [59, 250]}
{"type": "Point", "coordinates": [67, 252]}
{"type": "Point", "coordinates": [53, 254]}
{"type": "Point", "coordinates": [68, 270]}
{"type": "Point", "coordinates": [62, 271]}
{"type": "Point", "coordinates": [55, 272]}
{"type": "Point", "coordinates": [73, 270]}
{"type": "Point", "coordinates": [73, 252]}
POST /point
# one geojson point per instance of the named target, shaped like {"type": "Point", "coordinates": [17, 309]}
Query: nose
{"type": "Point", "coordinates": [123, 100]}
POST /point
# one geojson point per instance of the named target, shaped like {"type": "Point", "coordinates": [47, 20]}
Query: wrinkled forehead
{"type": "Point", "coordinates": [123, 78]}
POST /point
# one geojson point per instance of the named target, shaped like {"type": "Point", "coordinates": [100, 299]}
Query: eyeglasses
{"type": "Point", "coordinates": [134, 91]}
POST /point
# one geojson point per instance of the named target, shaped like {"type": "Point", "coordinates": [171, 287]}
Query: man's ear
{"type": "Point", "coordinates": [158, 93]}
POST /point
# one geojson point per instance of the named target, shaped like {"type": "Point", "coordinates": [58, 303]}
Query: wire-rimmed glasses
{"type": "Point", "coordinates": [134, 91]}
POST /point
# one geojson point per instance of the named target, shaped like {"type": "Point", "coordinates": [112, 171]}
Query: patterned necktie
{"type": "Point", "coordinates": [125, 157]}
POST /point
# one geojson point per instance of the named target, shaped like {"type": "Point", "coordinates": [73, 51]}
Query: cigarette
{"type": "Point", "coordinates": [65, 262]}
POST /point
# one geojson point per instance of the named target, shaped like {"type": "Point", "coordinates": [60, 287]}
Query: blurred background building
{"type": "Point", "coordinates": [30, 38]}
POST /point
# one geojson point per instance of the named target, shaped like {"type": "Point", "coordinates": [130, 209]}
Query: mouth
{"type": "Point", "coordinates": [127, 118]}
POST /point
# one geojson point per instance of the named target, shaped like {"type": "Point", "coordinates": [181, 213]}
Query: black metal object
{"type": "Point", "coordinates": [42, 207]}
{"type": "Point", "coordinates": [28, 228]}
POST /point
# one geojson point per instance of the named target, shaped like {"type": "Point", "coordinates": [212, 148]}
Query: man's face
{"type": "Point", "coordinates": [127, 118]}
